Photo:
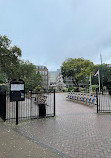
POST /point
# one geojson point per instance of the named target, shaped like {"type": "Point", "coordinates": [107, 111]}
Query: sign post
{"type": "Point", "coordinates": [16, 112]}
{"type": "Point", "coordinates": [17, 93]}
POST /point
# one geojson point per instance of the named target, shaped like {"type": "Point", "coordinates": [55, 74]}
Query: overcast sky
{"type": "Point", "coordinates": [50, 31]}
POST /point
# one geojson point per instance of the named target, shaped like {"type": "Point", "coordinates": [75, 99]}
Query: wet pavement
{"type": "Point", "coordinates": [77, 131]}
{"type": "Point", "coordinates": [14, 145]}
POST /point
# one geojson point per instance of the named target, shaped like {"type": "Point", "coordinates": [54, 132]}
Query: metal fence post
{"type": "Point", "coordinates": [4, 106]}
{"type": "Point", "coordinates": [54, 102]}
{"type": "Point", "coordinates": [16, 112]}
{"type": "Point", "coordinates": [97, 98]}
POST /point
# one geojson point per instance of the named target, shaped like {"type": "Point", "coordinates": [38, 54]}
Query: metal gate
{"type": "Point", "coordinates": [36, 105]}
{"type": "Point", "coordinates": [3, 105]}
{"type": "Point", "coordinates": [103, 102]}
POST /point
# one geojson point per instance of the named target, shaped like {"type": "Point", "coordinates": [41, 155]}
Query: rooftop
{"type": "Point", "coordinates": [41, 67]}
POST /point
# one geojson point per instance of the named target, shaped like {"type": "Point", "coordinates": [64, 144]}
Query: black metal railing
{"type": "Point", "coordinates": [103, 102]}
{"type": "Point", "coordinates": [3, 105]}
{"type": "Point", "coordinates": [36, 105]}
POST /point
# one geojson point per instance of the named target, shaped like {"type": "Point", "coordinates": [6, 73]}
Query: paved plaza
{"type": "Point", "coordinates": [77, 131]}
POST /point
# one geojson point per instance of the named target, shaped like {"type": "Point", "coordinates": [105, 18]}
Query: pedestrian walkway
{"type": "Point", "coordinates": [14, 145]}
{"type": "Point", "coordinates": [77, 131]}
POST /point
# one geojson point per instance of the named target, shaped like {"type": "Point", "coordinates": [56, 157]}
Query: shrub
{"type": "Point", "coordinates": [81, 89]}
{"type": "Point", "coordinates": [4, 87]}
{"type": "Point", "coordinates": [94, 87]}
{"type": "Point", "coordinates": [70, 89]}
{"type": "Point", "coordinates": [76, 89]}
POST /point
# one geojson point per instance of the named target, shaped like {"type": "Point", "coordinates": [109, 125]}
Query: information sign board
{"type": "Point", "coordinates": [17, 90]}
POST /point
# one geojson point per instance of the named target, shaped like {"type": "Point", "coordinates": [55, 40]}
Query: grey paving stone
{"type": "Point", "coordinates": [77, 131]}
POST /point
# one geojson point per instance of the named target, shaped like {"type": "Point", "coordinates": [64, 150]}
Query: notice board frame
{"type": "Point", "coordinates": [17, 90]}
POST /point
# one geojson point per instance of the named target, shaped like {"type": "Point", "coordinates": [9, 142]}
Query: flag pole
{"type": "Point", "coordinates": [101, 73]}
{"type": "Point", "coordinates": [99, 82]}
{"type": "Point", "coordinates": [98, 73]}
{"type": "Point", "coordinates": [90, 84]}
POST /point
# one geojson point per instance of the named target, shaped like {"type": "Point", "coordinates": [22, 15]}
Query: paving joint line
{"type": "Point", "coordinates": [55, 151]}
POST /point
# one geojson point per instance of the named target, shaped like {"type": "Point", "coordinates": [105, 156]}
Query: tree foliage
{"type": "Point", "coordinates": [9, 58]}
{"type": "Point", "coordinates": [27, 72]}
{"type": "Point", "coordinates": [2, 78]}
{"type": "Point", "coordinates": [105, 72]}
{"type": "Point", "coordinates": [78, 68]}
{"type": "Point", "coordinates": [14, 68]}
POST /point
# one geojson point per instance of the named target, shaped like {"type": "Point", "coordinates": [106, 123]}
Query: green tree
{"type": "Point", "coordinates": [38, 81]}
{"type": "Point", "coordinates": [9, 57]}
{"type": "Point", "coordinates": [79, 69]}
{"type": "Point", "coordinates": [105, 73]}
{"type": "Point", "coordinates": [14, 68]}
{"type": "Point", "coordinates": [2, 78]}
{"type": "Point", "coordinates": [95, 78]}
{"type": "Point", "coordinates": [27, 72]}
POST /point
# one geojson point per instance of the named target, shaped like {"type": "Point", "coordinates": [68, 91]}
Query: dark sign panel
{"type": "Point", "coordinates": [17, 90]}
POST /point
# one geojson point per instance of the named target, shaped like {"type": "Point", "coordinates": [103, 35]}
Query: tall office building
{"type": "Point", "coordinates": [52, 78]}
{"type": "Point", "coordinates": [44, 73]}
